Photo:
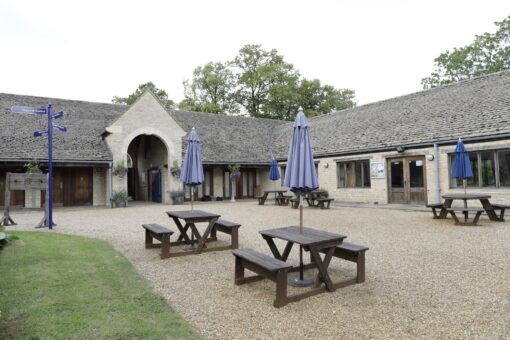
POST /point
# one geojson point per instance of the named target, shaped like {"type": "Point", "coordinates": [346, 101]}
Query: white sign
{"type": "Point", "coordinates": [377, 170]}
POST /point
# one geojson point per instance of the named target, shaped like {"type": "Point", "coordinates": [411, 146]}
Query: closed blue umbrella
{"type": "Point", "coordinates": [462, 166]}
{"type": "Point", "coordinates": [300, 176]}
{"type": "Point", "coordinates": [274, 173]}
{"type": "Point", "coordinates": [192, 172]}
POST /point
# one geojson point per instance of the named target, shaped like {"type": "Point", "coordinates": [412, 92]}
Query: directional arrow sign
{"type": "Point", "coordinates": [40, 133]}
{"type": "Point", "coordinates": [59, 127]}
{"type": "Point", "coordinates": [29, 110]}
{"type": "Point", "coordinates": [58, 115]}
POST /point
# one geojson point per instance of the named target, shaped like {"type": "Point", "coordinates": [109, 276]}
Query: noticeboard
{"type": "Point", "coordinates": [377, 170]}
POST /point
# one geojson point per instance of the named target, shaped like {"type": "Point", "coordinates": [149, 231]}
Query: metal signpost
{"type": "Point", "coordinates": [49, 132]}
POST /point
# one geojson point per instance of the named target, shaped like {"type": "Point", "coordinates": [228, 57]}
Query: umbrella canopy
{"type": "Point", "coordinates": [461, 166]}
{"type": "Point", "coordinates": [192, 172]}
{"type": "Point", "coordinates": [274, 173]}
{"type": "Point", "coordinates": [300, 175]}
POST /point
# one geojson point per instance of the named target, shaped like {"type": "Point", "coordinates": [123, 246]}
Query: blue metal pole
{"type": "Point", "coordinates": [50, 168]}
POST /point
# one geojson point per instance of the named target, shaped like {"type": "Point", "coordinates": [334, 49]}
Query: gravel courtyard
{"type": "Point", "coordinates": [425, 278]}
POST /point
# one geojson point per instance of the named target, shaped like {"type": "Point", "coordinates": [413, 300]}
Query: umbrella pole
{"type": "Point", "coordinates": [301, 266]}
{"type": "Point", "coordinates": [301, 281]}
{"type": "Point", "coordinates": [192, 209]}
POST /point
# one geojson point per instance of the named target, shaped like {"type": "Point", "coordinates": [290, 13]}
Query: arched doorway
{"type": "Point", "coordinates": [147, 168]}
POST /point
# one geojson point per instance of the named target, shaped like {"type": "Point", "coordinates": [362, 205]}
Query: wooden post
{"type": "Point", "coordinates": [6, 219]}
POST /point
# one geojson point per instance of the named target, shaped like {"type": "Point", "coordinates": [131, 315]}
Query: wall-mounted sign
{"type": "Point", "coordinates": [377, 170]}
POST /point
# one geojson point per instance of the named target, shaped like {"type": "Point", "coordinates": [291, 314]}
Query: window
{"type": "Point", "coordinates": [354, 174]}
{"type": "Point", "coordinates": [490, 169]}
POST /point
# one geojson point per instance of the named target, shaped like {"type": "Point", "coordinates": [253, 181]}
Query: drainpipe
{"type": "Point", "coordinates": [109, 185]}
{"type": "Point", "coordinates": [436, 173]}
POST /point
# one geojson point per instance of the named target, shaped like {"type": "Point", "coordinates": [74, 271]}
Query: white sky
{"type": "Point", "coordinates": [95, 49]}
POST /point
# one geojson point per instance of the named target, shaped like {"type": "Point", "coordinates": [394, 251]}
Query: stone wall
{"type": "Point", "coordinates": [378, 191]}
{"type": "Point", "coordinates": [146, 117]}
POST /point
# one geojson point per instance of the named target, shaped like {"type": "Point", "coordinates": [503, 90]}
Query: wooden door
{"type": "Point", "coordinates": [17, 196]}
{"type": "Point", "coordinates": [58, 189]}
{"type": "Point", "coordinates": [81, 186]}
{"type": "Point", "coordinates": [407, 180]}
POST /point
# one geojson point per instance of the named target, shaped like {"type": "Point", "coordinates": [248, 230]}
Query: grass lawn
{"type": "Point", "coordinates": [55, 286]}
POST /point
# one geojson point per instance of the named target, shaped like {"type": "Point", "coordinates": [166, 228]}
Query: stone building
{"type": "Point", "coordinates": [393, 151]}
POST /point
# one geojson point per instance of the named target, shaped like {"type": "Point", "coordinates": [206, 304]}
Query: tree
{"type": "Point", "coordinates": [211, 90]}
{"type": "Point", "coordinates": [258, 72]}
{"type": "Point", "coordinates": [316, 99]}
{"type": "Point", "coordinates": [160, 94]}
{"type": "Point", "coordinates": [488, 53]}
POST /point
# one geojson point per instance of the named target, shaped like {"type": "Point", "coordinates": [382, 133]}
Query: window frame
{"type": "Point", "coordinates": [341, 163]}
{"type": "Point", "coordinates": [495, 155]}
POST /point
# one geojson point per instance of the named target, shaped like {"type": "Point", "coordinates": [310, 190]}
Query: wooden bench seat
{"type": "Point", "coordinates": [353, 253]}
{"type": "Point", "coordinates": [230, 228]}
{"type": "Point", "coordinates": [478, 212]}
{"type": "Point", "coordinates": [282, 200]}
{"type": "Point", "coordinates": [160, 233]}
{"type": "Point", "coordinates": [294, 203]}
{"type": "Point", "coordinates": [435, 206]}
{"type": "Point", "coordinates": [262, 199]}
{"type": "Point", "coordinates": [266, 267]}
{"type": "Point", "coordinates": [322, 201]}
{"type": "Point", "coordinates": [501, 208]}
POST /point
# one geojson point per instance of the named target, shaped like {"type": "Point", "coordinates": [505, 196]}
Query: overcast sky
{"type": "Point", "coordinates": [93, 50]}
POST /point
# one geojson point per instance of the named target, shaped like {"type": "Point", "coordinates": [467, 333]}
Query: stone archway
{"type": "Point", "coordinates": [147, 177]}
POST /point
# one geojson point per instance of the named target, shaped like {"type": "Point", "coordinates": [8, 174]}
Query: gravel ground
{"type": "Point", "coordinates": [425, 278]}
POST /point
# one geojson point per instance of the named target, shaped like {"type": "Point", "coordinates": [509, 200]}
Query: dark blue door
{"type": "Point", "coordinates": [156, 187]}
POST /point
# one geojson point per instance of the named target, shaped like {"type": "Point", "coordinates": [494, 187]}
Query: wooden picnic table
{"type": "Point", "coordinates": [191, 217]}
{"type": "Point", "coordinates": [483, 198]}
{"type": "Point", "coordinates": [277, 193]}
{"type": "Point", "coordinates": [312, 196]}
{"type": "Point", "coordinates": [312, 240]}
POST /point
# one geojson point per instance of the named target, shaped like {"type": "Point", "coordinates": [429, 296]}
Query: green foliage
{"type": "Point", "coordinates": [33, 166]}
{"type": "Point", "coordinates": [5, 238]}
{"type": "Point", "coordinates": [58, 286]}
{"type": "Point", "coordinates": [259, 73]}
{"type": "Point", "coordinates": [175, 170]}
{"type": "Point", "coordinates": [234, 167]}
{"type": "Point", "coordinates": [177, 193]}
{"type": "Point", "coordinates": [120, 168]}
{"type": "Point", "coordinates": [263, 84]}
{"type": "Point", "coordinates": [160, 94]}
{"type": "Point", "coordinates": [489, 53]}
{"type": "Point", "coordinates": [121, 195]}
{"type": "Point", "coordinates": [211, 90]}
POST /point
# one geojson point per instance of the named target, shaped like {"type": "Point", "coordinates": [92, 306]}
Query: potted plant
{"type": "Point", "coordinates": [120, 198]}
{"type": "Point", "coordinates": [177, 197]}
{"type": "Point", "coordinates": [33, 167]}
{"type": "Point", "coordinates": [175, 170]}
{"type": "Point", "coordinates": [120, 169]}
{"type": "Point", "coordinates": [235, 174]}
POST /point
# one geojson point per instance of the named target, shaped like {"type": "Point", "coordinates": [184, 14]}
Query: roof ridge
{"type": "Point", "coordinates": [64, 99]}
{"type": "Point", "coordinates": [414, 94]}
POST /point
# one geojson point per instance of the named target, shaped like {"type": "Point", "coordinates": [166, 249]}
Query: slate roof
{"type": "Point", "coordinates": [468, 109]}
{"type": "Point", "coordinates": [85, 122]}
{"type": "Point", "coordinates": [477, 108]}
{"type": "Point", "coordinates": [230, 139]}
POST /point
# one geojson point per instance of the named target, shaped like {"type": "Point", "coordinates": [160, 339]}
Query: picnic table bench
{"type": "Point", "coordinates": [262, 199]}
{"type": "Point", "coordinates": [435, 206]}
{"type": "Point", "coordinates": [324, 203]}
{"type": "Point", "coordinates": [478, 212]}
{"type": "Point", "coordinates": [227, 227]}
{"type": "Point", "coordinates": [266, 267]}
{"type": "Point", "coordinates": [161, 234]}
{"type": "Point", "coordinates": [501, 208]}
{"type": "Point", "coordinates": [294, 203]}
{"type": "Point", "coordinates": [353, 253]}
{"type": "Point", "coordinates": [283, 200]}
